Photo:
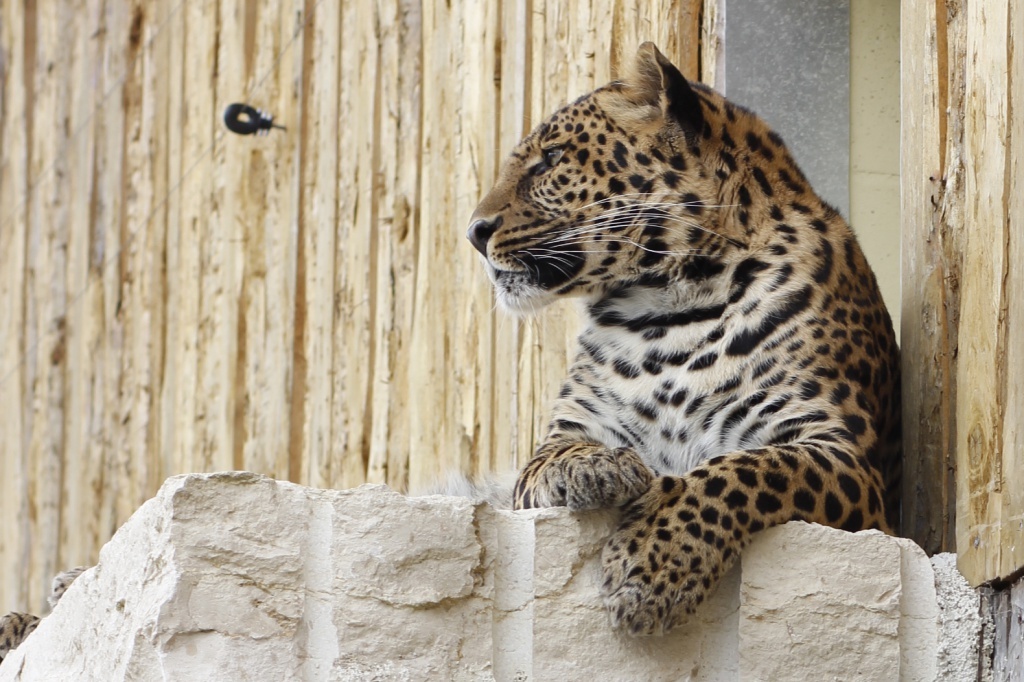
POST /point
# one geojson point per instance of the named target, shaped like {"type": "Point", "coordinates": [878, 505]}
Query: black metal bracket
{"type": "Point", "coordinates": [246, 120]}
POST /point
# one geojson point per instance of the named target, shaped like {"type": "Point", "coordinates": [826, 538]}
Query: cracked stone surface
{"type": "Point", "coordinates": [239, 577]}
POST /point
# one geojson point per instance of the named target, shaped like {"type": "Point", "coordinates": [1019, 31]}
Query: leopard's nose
{"type": "Point", "coordinates": [479, 232]}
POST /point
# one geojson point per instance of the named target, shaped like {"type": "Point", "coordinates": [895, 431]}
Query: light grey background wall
{"type": "Point", "coordinates": [826, 75]}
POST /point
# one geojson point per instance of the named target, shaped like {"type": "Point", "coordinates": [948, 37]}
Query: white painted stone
{"type": "Point", "coordinates": [820, 604]}
{"type": "Point", "coordinates": [919, 615]}
{"type": "Point", "coordinates": [572, 636]}
{"type": "Point", "coordinates": [239, 577]}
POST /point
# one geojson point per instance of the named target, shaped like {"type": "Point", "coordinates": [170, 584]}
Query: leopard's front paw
{"type": "Point", "coordinates": [584, 476]}
{"type": "Point", "coordinates": [662, 562]}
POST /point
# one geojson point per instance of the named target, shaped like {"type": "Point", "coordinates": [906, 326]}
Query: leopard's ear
{"type": "Point", "coordinates": [655, 81]}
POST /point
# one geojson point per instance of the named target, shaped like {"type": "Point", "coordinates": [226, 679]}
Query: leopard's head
{"type": "Point", "coordinates": [610, 190]}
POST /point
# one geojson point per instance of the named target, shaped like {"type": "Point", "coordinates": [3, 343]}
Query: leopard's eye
{"type": "Point", "coordinates": [548, 158]}
{"type": "Point", "coordinates": [552, 156]}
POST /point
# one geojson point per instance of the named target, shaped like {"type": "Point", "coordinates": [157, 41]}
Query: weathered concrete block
{"type": "Point", "coordinates": [563, 632]}
{"type": "Point", "coordinates": [239, 577]}
{"type": "Point", "coordinates": [818, 603]}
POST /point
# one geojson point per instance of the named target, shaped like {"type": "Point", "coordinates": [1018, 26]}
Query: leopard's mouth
{"type": "Point", "coordinates": [551, 269]}
{"type": "Point", "coordinates": [535, 278]}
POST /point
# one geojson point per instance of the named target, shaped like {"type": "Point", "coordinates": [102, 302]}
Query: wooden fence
{"type": "Point", "coordinates": [177, 298]}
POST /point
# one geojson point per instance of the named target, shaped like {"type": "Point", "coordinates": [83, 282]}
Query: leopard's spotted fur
{"type": "Point", "coordinates": [737, 368]}
{"type": "Point", "coordinates": [15, 627]}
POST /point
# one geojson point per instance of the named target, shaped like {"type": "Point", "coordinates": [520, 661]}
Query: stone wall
{"type": "Point", "coordinates": [241, 577]}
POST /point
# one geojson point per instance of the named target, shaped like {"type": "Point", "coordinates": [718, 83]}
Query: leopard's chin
{"type": "Point", "coordinates": [518, 293]}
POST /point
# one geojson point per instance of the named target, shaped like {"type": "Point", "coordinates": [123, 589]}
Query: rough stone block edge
{"type": "Point", "coordinates": [960, 647]}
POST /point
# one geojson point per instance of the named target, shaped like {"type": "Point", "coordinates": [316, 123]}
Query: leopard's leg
{"type": "Point", "coordinates": [581, 475]}
{"type": "Point", "coordinates": [677, 541]}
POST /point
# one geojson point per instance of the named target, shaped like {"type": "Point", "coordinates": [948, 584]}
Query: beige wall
{"type": "Point", "coordinates": [875, 140]}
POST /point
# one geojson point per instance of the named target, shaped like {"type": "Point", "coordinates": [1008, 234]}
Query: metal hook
{"type": "Point", "coordinates": [255, 121]}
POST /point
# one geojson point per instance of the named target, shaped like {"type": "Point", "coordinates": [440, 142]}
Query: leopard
{"type": "Point", "coordinates": [16, 626]}
{"type": "Point", "coordinates": [736, 367]}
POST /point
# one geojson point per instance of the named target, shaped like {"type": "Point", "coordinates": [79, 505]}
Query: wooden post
{"type": "Point", "coordinates": [990, 376]}
{"type": "Point", "coordinates": [932, 195]}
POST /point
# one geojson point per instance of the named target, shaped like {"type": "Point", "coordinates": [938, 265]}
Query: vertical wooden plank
{"type": "Point", "coordinates": [475, 158]}
{"type": "Point", "coordinates": [119, 381]}
{"type": "Point", "coordinates": [238, 44]}
{"type": "Point", "coordinates": [47, 287]}
{"type": "Point", "coordinates": [229, 233]}
{"type": "Point", "coordinates": [356, 248]}
{"type": "Point", "coordinates": [602, 15]}
{"type": "Point", "coordinates": [987, 530]}
{"type": "Point", "coordinates": [507, 450]}
{"type": "Point", "coordinates": [1011, 535]}
{"type": "Point", "coordinates": [951, 233]}
{"type": "Point", "coordinates": [315, 313]}
{"type": "Point", "coordinates": [297, 453]}
{"type": "Point", "coordinates": [1006, 609]}
{"type": "Point", "coordinates": [712, 44]}
{"type": "Point", "coordinates": [679, 38]}
{"type": "Point", "coordinates": [157, 119]}
{"type": "Point", "coordinates": [430, 335]}
{"type": "Point", "coordinates": [109, 238]}
{"type": "Point", "coordinates": [297, 55]}
{"type": "Point", "coordinates": [269, 208]}
{"type": "Point", "coordinates": [928, 359]}
{"type": "Point", "coordinates": [311, 418]}
{"type": "Point", "coordinates": [581, 45]}
{"type": "Point", "coordinates": [398, 126]}
{"type": "Point", "coordinates": [103, 296]}
{"type": "Point", "coordinates": [673, 25]}
{"type": "Point", "coordinates": [373, 459]}
{"type": "Point", "coordinates": [78, 541]}
{"type": "Point", "coordinates": [87, 507]}
{"type": "Point", "coordinates": [219, 278]}
{"type": "Point", "coordinates": [140, 261]}
{"type": "Point", "coordinates": [18, 59]}
{"type": "Point", "coordinates": [624, 27]}
{"type": "Point", "coordinates": [407, 230]}
{"type": "Point", "coordinates": [180, 254]}
{"type": "Point", "coordinates": [194, 275]}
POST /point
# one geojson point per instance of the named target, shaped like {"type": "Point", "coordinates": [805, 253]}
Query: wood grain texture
{"type": "Point", "coordinates": [962, 301]}
{"type": "Point", "coordinates": [15, 134]}
{"type": "Point", "coordinates": [1006, 609]}
{"type": "Point", "coordinates": [1011, 532]}
{"type": "Point", "coordinates": [932, 197]}
{"type": "Point", "coordinates": [990, 515]}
